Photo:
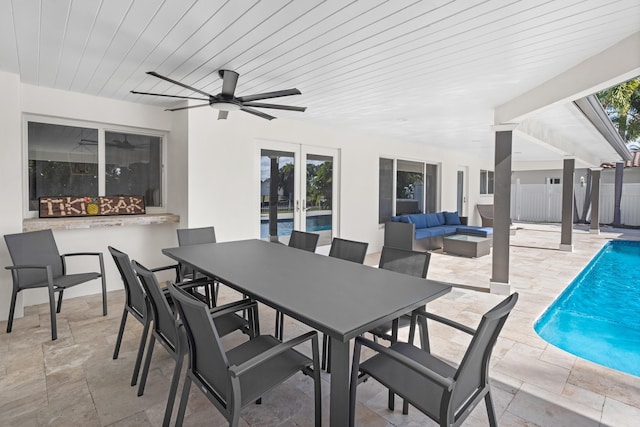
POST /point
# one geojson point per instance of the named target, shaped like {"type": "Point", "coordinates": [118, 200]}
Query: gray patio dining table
{"type": "Point", "coordinates": [339, 298]}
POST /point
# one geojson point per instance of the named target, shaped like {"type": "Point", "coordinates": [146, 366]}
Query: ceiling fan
{"type": "Point", "coordinates": [226, 100]}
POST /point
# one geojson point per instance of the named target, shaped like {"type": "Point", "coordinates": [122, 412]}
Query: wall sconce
{"type": "Point", "coordinates": [582, 181]}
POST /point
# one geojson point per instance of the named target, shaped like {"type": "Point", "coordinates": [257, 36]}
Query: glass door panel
{"type": "Point", "coordinates": [277, 193]}
{"type": "Point", "coordinates": [318, 199]}
{"type": "Point", "coordinates": [298, 191]}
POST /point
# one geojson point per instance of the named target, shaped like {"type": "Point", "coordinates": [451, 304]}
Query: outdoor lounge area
{"type": "Point", "coordinates": [74, 381]}
{"type": "Point", "coordinates": [374, 127]}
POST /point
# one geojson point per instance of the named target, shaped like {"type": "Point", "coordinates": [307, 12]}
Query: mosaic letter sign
{"type": "Point", "coordinates": [62, 207]}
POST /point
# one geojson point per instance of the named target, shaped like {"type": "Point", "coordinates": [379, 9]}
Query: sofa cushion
{"type": "Point", "coordinates": [405, 219]}
{"type": "Point", "coordinates": [419, 220]}
{"type": "Point", "coordinates": [432, 220]}
{"type": "Point", "coordinates": [452, 218]}
{"type": "Point", "coordinates": [475, 231]}
{"type": "Point", "coordinates": [441, 219]}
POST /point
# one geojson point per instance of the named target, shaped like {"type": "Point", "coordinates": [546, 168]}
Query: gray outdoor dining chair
{"type": "Point", "coordinates": [445, 393]}
{"type": "Point", "coordinates": [403, 261]}
{"type": "Point", "coordinates": [169, 331]}
{"type": "Point", "coordinates": [303, 241]}
{"type": "Point", "coordinates": [348, 250]}
{"type": "Point", "coordinates": [136, 304]}
{"type": "Point", "coordinates": [198, 236]}
{"type": "Point", "coordinates": [234, 379]}
{"type": "Point", "coordinates": [37, 263]}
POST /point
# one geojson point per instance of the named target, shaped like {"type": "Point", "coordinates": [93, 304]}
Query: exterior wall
{"type": "Point", "coordinates": [212, 175]}
{"type": "Point", "coordinates": [142, 242]}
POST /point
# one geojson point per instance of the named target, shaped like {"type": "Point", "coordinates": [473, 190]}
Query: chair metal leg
{"type": "Point", "coordinates": [325, 350]}
{"type": "Point", "coordinates": [104, 286]}
{"type": "Point", "coordinates": [123, 321]}
{"type": "Point", "coordinates": [52, 310]}
{"type": "Point", "coordinates": [493, 422]}
{"type": "Point", "coordinates": [172, 391]}
{"type": "Point", "coordinates": [12, 309]}
{"type": "Point", "coordinates": [143, 341]}
{"type": "Point", "coordinates": [145, 369]}
{"type": "Point", "coordinates": [183, 401]}
{"type": "Point", "coordinates": [59, 306]}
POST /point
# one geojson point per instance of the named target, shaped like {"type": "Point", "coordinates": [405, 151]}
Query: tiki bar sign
{"type": "Point", "coordinates": [61, 207]}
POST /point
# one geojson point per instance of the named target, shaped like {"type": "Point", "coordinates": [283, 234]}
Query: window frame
{"type": "Point", "coordinates": [484, 181]}
{"type": "Point", "coordinates": [101, 128]}
{"type": "Point", "coordinates": [394, 197]}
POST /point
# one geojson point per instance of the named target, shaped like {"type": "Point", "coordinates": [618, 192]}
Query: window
{"type": "Point", "coordinates": [64, 160]}
{"type": "Point", "coordinates": [552, 180]}
{"type": "Point", "coordinates": [415, 189]}
{"type": "Point", "coordinates": [486, 182]}
{"type": "Point", "coordinates": [385, 200]}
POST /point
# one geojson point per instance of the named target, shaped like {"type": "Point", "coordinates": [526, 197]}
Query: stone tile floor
{"type": "Point", "coordinates": [74, 380]}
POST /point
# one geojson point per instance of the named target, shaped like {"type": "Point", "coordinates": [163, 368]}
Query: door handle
{"type": "Point", "coordinates": [304, 205]}
{"type": "Point", "coordinates": [297, 205]}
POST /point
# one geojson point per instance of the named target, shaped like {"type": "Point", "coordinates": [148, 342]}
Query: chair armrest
{"type": "Point", "coordinates": [445, 382]}
{"type": "Point", "coordinates": [176, 267]}
{"type": "Point", "coordinates": [443, 320]}
{"type": "Point", "coordinates": [232, 307]}
{"type": "Point", "coordinates": [19, 267]}
{"type": "Point", "coordinates": [81, 254]}
{"type": "Point", "coordinates": [237, 370]}
{"type": "Point", "coordinates": [195, 283]}
{"type": "Point", "coordinates": [166, 267]}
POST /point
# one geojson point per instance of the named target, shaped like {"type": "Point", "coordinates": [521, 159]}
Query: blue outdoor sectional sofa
{"type": "Point", "coordinates": [425, 231]}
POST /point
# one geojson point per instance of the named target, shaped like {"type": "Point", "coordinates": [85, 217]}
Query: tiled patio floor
{"type": "Point", "coordinates": [74, 380]}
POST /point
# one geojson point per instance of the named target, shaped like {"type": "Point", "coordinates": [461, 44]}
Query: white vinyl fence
{"type": "Point", "coordinates": [543, 203]}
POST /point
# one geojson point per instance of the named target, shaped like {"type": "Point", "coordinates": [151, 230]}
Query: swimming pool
{"type": "Point", "coordinates": [285, 225]}
{"type": "Point", "coordinates": [597, 317]}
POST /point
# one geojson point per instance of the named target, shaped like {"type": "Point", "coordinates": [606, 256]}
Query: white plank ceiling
{"type": "Point", "coordinates": [423, 71]}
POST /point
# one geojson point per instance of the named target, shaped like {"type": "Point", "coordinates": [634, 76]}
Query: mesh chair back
{"type": "Point", "coordinates": [404, 261]}
{"type": "Point", "coordinates": [34, 248]}
{"type": "Point", "coordinates": [348, 250]}
{"type": "Point", "coordinates": [208, 361]}
{"type": "Point", "coordinates": [134, 293]}
{"type": "Point", "coordinates": [164, 320]}
{"type": "Point", "coordinates": [305, 241]}
{"type": "Point", "coordinates": [473, 372]}
{"type": "Point", "coordinates": [196, 236]}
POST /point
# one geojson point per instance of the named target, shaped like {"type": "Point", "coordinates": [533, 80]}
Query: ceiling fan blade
{"type": "Point", "coordinates": [257, 113]}
{"type": "Point", "coordinates": [168, 96]}
{"type": "Point", "coordinates": [276, 106]}
{"type": "Point", "coordinates": [186, 108]}
{"type": "Point", "coordinates": [229, 82]}
{"type": "Point", "coordinates": [222, 115]}
{"type": "Point", "coordinates": [276, 94]}
{"type": "Point", "coordinates": [154, 74]}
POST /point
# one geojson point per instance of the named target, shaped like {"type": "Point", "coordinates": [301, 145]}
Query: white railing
{"type": "Point", "coordinates": [543, 203]}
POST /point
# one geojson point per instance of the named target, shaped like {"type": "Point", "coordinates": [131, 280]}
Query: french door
{"type": "Point", "coordinates": [298, 191]}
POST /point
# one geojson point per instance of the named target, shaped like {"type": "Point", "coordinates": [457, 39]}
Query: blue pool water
{"type": "Point", "coordinates": [285, 225]}
{"type": "Point", "coordinates": [597, 317]}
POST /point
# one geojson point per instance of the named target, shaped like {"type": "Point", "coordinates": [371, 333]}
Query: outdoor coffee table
{"type": "Point", "coordinates": [466, 245]}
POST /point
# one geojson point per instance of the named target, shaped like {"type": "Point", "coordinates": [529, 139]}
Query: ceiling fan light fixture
{"type": "Point", "coordinates": [226, 106]}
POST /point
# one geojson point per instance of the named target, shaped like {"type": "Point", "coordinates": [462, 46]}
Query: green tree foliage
{"type": "Point", "coordinates": [319, 185]}
{"type": "Point", "coordinates": [622, 104]}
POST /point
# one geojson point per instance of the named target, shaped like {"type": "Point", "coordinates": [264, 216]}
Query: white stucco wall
{"type": "Point", "coordinates": [212, 175]}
